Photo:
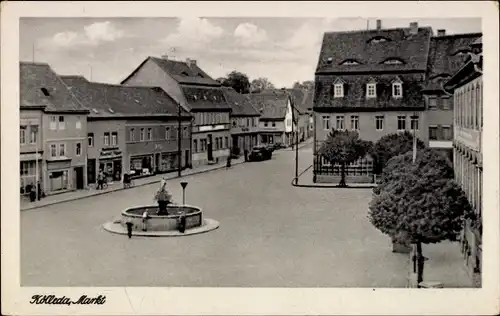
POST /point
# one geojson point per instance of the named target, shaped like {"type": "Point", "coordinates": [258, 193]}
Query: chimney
{"type": "Point", "coordinates": [413, 28]}
{"type": "Point", "coordinates": [441, 32]}
{"type": "Point", "coordinates": [164, 56]}
{"type": "Point", "coordinates": [379, 25]}
{"type": "Point", "coordinates": [190, 62]}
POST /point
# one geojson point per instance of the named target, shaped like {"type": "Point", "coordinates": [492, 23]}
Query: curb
{"type": "Point", "coordinates": [121, 188]}
{"type": "Point", "coordinates": [209, 225]}
{"type": "Point", "coordinates": [295, 183]}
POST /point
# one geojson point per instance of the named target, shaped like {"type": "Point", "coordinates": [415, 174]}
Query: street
{"type": "Point", "coordinates": [271, 234]}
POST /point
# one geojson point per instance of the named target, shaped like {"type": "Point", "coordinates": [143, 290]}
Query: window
{"type": "Point", "coordinates": [350, 62]}
{"type": "Point", "coordinates": [354, 122]}
{"type": "Point", "coordinates": [326, 122]}
{"type": "Point", "coordinates": [227, 142]}
{"type": "Point", "coordinates": [253, 122]}
{"type": "Point", "coordinates": [274, 124]}
{"type": "Point", "coordinates": [414, 123]}
{"type": "Point", "coordinates": [132, 134]}
{"type": "Point", "coordinates": [447, 102]}
{"type": "Point", "coordinates": [78, 149]}
{"type": "Point", "coordinates": [53, 123]}
{"type": "Point", "coordinates": [265, 124]}
{"type": "Point", "coordinates": [401, 123]}
{"type": "Point", "coordinates": [106, 139]}
{"type": "Point", "coordinates": [339, 120]}
{"type": "Point", "coordinates": [62, 150]}
{"type": "Point", "coordinates": [114, 138]}
{"type": "Point", "coordinates": [142, 135]}
{"type": "Point", "coordinates": [61, 123]}
{"type": "Point", "coordinates": [150, 134]}
{"type": "Point", "coordinates": [432, 103]}
{"type": "Point", "coordinates": [167, 132]}
{"type": "Point", "coordinates": [33, 134]}
{"type": "Point", "coordinates": [397, 90]}
{"type": "Point", "coordinates": [90, 138]}
{"type": "Point", "coordinates": [371, 90]}
{"type": "Point", "coordinates": [78, 123]}
{"type": "Point", "coordinates": [248, 121]}
{"type": "Point", "coordinates": [447, 132]}
{"type": "Point", "coordinates": [338, 90]}
{"type": "Point", "coordinates": [379, 122]}
{"type": "Point", "coordinates": [53, 150]}
{"type": "Point", "coordinates": [393, 62]}
{"type": "Point", "coordinates": [22, 134]}
{"type": "Point", "coordinates": [433, 133]}
{"type": "Point", "coordinates": [195, 145]}
{"type": "Point", "coordinates": [234, 123]}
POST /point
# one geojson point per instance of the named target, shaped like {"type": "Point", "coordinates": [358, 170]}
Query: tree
{"type": "Point", "coordinates": [392, 145]}
{"type": "Point", "coordinates": [223, 81]}
{"type": "Point", "coordinates": [238, 81]}
{"type": "Point", "coordinates": [419, 202]}
{"type": "Point", "coordinates": [344, 147]}
{"type": "Point", "coordinates": [305, 85]}
{"type": "Point", "coordinates": [260, 84]}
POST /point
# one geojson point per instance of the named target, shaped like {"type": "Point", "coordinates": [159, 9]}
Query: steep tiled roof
{"type": "Point", "coordinates": [309, 100]}
{"type": "Point", "coordinates": [40, 86]}
{"type": "Point", "coordinates": [272, 104]}
{"type": "Point", "coordinates": [205, 98]}
{"type": "Point", "coordinates": [446, 55]}
{"type": "Point", "coordinates": [107, 100]}
{"type": "Point", "coordinates": [364, 48]}
{"type": "Point", "coordinates": [355, 91]}
{"type": "Point", "coordinates": [241, 104]}
{"type": "Point", "coordinates": [183, 73]}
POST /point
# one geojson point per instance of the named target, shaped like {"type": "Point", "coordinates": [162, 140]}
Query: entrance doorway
{"type": "Point", "coordinates": [186, 159]}
{"type": "Point", "coordinates": [210, 154]}
{"type": "Point", "coordinates": [79, 178]}
{"type": "Point", "coordinates": [91, 172]}
{"type": "Point", "coordinates": [157, 162]}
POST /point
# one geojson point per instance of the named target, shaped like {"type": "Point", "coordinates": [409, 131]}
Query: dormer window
{"type": "Point", "coordinates": [371, 90]}
{"type": "Point", "coordinates": [378, 39]}
{"type": "Point", "coordinates": [461, 52]}
{"type": "Point", "coordinates": [338, 90]}
{"type": "Point", "coordinates": [393, 61]}
{"type": "Point", "coordinates": [45, 92]}
{"type": "Point", "coordinates": [350, 62]}
{"type": "Point", "coordinates": [397, 90]}
{"type": "Point", "coordinates": [329, 60]}
{"type": "Point", "coordinates": [184, 73]}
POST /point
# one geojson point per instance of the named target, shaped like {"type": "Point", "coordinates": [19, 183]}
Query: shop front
{"type": "Point", "coordinates": [141, 164]}
{"type": "Point", "coordinates": [58, 176]}
{"type": "Point", "coordinates": [28, 177]}
{"type": "Point", "coordinates": [169, 162]}
{"type": "Point", "coordinates": [110, 162]}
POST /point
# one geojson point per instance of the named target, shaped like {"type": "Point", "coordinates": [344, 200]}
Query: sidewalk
{"type": "Point", "coordinates": [116, 186]}
{"type": "Point", "coordinates": [445, 265]}
{"type": "Point", "coordinates": [306, 180]}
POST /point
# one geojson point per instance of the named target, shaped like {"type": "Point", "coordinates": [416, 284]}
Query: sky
{"type": "Point", "coordinates": [284, 50]}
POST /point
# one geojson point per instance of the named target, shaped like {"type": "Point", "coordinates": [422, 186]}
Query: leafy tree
{"type": "Point", "coordinates": [238, 81]}
{"type": "Point", "coordinates": [260, 84]}
{"type": "Point", "coordinates": [344, 147]}
{"type": "Point", "coordinates": [392, 145]}
{"type": "Point", "coordinates": [223, 81]}
{"type": "Point", "coordinates": [305, 85]}
{"type": "Point", "coordinates": [419, 202]}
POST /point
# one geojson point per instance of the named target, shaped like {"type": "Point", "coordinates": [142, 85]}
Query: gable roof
{"type": "Point", "coordinates": [469, 71]}
{"type": "Point", "coordinates": [443, 58]}
{"type": "Point", "coordinates": [338, 47]}
{"type": "Point", "coordinates": [40, 86]}
{"type": "Point", "coordinates": [107, 100]}
{"type": "Point", "coordinates": [272, 104]}
{"type": "Point", "coordinates": [241, 104]}
{"type": "Point", "coordinates": [180, 71]}
{"type": "Point", "coordinates": [205, 98]}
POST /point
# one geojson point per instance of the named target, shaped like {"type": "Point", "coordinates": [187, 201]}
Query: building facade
{"type": "Point", "coordinates": [447, 54]}
{"type": "Point", "coordinates": [132, 129]}
{"type": "Point", "coordinates": [198, 94]}
{"type": "Point", "coordinates": [369, 81]}
{"type": "Point", "coordinates": [244, 122]}
{"type": "Point", "coordinates": [467, 88]}
{"type": "Point", "coordinates": [54, 123]}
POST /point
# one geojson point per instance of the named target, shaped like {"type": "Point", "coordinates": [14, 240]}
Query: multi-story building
{"type": "Point", "coordinates": [447, 54]}
{"type": "Point", "coordinates": [302, 100]}
{"type": "Point", "coordinates": [132, 128]}
{"type": "Point", "coordinates": [198, 94]}
{"type": "Point", "coordinates": [370, 81]}
{"type": "Point", "coordinates": [467, 85]}
{"type": "Point", "coordinates": [53, 131]}
{"type": "Point", "coordinates": [276, 122]}
{"type": "Point", "coordinates": [244, 121]}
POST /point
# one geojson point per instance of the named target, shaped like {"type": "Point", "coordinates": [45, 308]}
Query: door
{"type": "Point", "coordinates": [91, 172]}
{"type": "Point", "coordinates": [186, 159]}
{"type": "Point", "coordinates": [117, 170]}
{"type": "Point", "coordinates": [210, 154]}
{"type": "Point", "coordinates": [79, 178]}
{"type": "Point", "coordinates": [157, 162]}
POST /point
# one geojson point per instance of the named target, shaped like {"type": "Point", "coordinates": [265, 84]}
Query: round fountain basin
{"type": "Point", "coordinates": [193, 215]}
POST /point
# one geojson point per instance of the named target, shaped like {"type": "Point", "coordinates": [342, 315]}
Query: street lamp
{"type": "Point", "coordinates": [184, 185]}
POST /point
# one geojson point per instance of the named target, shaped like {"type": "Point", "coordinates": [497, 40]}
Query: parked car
{"type": "Point", "coordinates": [260, 153]}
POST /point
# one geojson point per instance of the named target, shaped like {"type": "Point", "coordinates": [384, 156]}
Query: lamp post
{"type": "Point", "coordinates": [179, 141]}
{"type": "Point", "coordinates": [184, 185]}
